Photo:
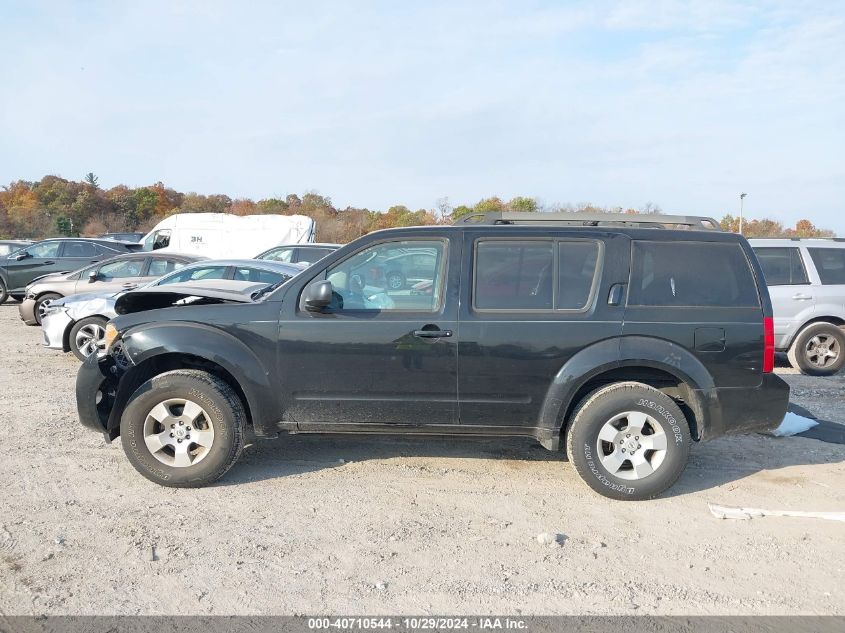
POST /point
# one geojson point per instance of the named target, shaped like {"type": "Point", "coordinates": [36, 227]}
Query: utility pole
{"type": "Point", "coordinates": [741, 200]}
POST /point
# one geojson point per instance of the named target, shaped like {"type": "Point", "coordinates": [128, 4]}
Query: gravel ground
{"type": "Point", "coordinates": [371, 525]}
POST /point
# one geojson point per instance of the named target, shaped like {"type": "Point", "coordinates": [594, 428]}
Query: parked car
{"type": "Point", "coordinates": [806, 280]}
{"type": "Point", "coordinates": [118, 273]}
{"type": "Point", "coordinates": [224, 235]}
{"type": "Point", "coordinates": [298, 253]}
{"type": "Point", "coordinates": [621, 345]}
{"type": "Point", "coordinates": [53, 256]}
{"type": "Point", "coordinates": [123, 237]}
{"type": "Point", "coordinates": [77, 324]}
{"type": "Point", "coordinates": [7, 247]}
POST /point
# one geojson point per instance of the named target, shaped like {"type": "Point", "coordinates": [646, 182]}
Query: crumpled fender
{"type": "Point", "coordinates": [145, 342]}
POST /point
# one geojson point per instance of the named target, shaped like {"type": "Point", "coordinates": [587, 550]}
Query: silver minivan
{"type": "Point", "coordinates": [806, 280]}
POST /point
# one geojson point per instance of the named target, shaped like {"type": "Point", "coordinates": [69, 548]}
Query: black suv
{"type": "Point", "coordinates": [53, 256]}
{"type": "Point", "coordinates": [615, 338]}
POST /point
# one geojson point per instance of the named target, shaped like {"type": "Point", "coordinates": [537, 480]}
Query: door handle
{"type": "Point", "coordinates": [432, 333]}
{"type": "Point", "coordinates": [801, 297]}
{"type": "Point", "coordinates": [49, 263]}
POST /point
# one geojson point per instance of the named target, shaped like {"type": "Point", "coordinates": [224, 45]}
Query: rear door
{"type": "Point", "coordinates": [830, 292]}
{"type": "Point", "coordinates": [76, 254]}
{"type": "Point", "coordinates": [529, 302]}
{"type": "Point", "coordinates": [790, 287]}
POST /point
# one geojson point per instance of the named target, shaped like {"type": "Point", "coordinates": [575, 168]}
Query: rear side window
{"type": "Point", "coordinates": [830, 262]}
{"type": "Point", "coordinates": [159, 267]}
{"type": "Point", "coordinates": [79, 249]}
{"type": "Point", "coordinates": [534, 275]}
{"type": "Point", "coordinates": [258, 276]}
{"type": "Point", "coordinates": [691, 274]}
{"type": "Point", "coordinates": [782, 266]}
{"type": "Point", "coordinates": [514, 275]}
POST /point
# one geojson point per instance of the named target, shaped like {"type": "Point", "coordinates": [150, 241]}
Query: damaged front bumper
{"type": "Point", "coordinates": [54, 326]}
{"type": "Point", "coordinates": [96, 388]}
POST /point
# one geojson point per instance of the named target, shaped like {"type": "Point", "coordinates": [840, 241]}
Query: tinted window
{"type": "Point", "coordinates": [830, 262]}
{"type": "Point", "coordinates": [193, 274]}
{"type": "Point", "coordinates": [157, 240]}
{"type": "Point", "coordinates": [691, 274]}
{"type": "Point", "coordinates": [79, 249]}
{"type": "Point", "coordinates": [159, 267]}
{"type": "Point", "coordinates": [125, 268]}
{"type": "Point", "coordinates": [373, 280]}
{"type": "Point", "coordinates": [311, 255]}
{"type": "Point", "coordinates": [258, 276]}
{"type": "Point", "coordinates": [513, 275]}
{"type": "Point", "coordinates": [576, 272]}
{"type": "Point", "coordinates": [280, 255]}
{"type": "Point", "coordinates": [44, 250]}
{"type": "Point", "coordinates": [782, 266]}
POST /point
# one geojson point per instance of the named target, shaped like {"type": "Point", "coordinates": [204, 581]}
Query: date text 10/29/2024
{"type": "Point", "coordinates": [417, 624]}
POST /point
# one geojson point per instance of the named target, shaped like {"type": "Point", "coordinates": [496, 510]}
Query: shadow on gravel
{"type": "Point", "coordinates": [298, 454]}
{"type": "Point", "coordinates": [711, 464]}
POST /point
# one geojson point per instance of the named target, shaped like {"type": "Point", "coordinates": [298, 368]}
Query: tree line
{"type": "Point", "coordinates": [55, 206]}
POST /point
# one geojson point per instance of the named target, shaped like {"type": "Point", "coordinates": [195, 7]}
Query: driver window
{"type": "Point", "coordinates": [44, 250]}
{"type": "Point", "coordinates": [404, 275]}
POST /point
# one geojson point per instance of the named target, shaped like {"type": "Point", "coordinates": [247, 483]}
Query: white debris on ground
{"type": "Point", "coordinates": [744, 514]}
{"type": "Point", "coordinates": [793, 424]}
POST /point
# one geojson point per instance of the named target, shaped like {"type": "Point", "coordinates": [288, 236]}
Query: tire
{"type": "Point", "coordinates": [41, 304]}
{"type": "Point", "coordinates": [4, 293]}
{"type": "Point", "coordinates": [816, 338]}
{"type": "Point", "coordinates": [395, 280]}
{"type": "Point", "coordinates": [160, 402]}
{"type": "Point", "coordinates": [606, 411]}
{"type": "Point", "coordinates": [87, 335]}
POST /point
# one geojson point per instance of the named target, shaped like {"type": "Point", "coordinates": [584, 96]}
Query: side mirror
{"type": "Point", "coordinates": [318, 295]}
{"type": "Point", "coordinates": [21, 256]}
{"type": "Point", "coordinates": [93, 276]}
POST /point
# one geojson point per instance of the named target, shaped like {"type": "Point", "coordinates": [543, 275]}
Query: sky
{"type": "Point", "coordinates": [680, 104]}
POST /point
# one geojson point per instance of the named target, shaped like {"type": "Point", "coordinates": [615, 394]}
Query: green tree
{"type": "Point", "coordinates": [64, 226]}
{"type": "Point", "coordinates": [92, 180]}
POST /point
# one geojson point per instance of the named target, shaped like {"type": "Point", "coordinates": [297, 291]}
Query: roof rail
{"type": "Point", "coordinates": [657, 221]}
{"type": "Point", "coordinates": [799, 239]}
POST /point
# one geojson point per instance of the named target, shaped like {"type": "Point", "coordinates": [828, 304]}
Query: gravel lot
{"type": "Point", "coordinates": [371, 525]}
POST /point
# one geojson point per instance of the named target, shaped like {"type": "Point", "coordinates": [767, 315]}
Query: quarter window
{"type": "Point", "coordinates": [782, 266]}
{"type": "Point", "coordinates": [407, 275]}
{"type": "Point", "coordinates": [691, 274]}
{"type": "Point", "coordinates": [830, 262]}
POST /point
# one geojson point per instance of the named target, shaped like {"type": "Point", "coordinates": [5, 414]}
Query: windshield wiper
{"type": "Point", "coordinates": [269, 288]}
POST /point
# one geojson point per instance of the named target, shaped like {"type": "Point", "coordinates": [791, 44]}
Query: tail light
{"type": "Point", "coordinates": [768, 345]}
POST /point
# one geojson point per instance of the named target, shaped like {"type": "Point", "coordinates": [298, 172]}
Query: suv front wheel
{"type": "Point", "coordinates": [183, 428]}
{"type": "Point", "coordinates": [628, 441]}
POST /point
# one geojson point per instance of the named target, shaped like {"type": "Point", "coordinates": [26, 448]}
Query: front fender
{"type": "Point", "coordinates": [146, 342]}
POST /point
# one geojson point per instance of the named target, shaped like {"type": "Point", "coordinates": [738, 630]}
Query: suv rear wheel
{"type": "Point", "coordinates": [818, 350]}
{"type": "Point", "coordinates": [183, 428]}
{"type": "Point", "coordinates": [628, 441]}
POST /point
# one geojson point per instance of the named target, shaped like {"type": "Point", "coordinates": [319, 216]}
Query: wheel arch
{"type": "Point", "coordinates": [653, 361]}
{"type": "Point", "coordinates": [834, 320]}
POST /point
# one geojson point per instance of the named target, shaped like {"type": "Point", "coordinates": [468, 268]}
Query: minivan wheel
{"type": "Point", "coordinates": [88, 336]}
{"type": "Point", "coordinates": [628, 441]}
{"type": "Point", "coordinates": [42, 303]}
{"type": "Point", "coordinates": [818, 350]}
{"type": "Point", "coordinates": [183, 428]}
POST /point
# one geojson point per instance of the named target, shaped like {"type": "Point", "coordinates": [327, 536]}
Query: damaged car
{"type": "Point", "coordinates": [619, 339]}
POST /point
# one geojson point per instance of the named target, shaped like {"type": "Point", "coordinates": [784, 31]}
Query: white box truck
{"type": "Point", "coordinates": [226, 236]}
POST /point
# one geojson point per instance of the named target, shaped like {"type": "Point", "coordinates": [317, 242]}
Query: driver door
{"type": "Point", "coordinates": [375, 355]}
{"type": "Point", "coordinates": [39, 259]}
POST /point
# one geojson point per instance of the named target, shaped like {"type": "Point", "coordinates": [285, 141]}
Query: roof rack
{"type": "Point", "coordinates": [799, 239]}
{"type": "Point", "coordinates": [689, 222]}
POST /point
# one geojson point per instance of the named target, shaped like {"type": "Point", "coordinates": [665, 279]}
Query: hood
{"type": "Point", "coordinates": [190, 293]}
{"type": "Point", "coordinates": [49, 277]}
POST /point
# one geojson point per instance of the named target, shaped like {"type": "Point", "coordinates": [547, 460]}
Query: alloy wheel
{"type": "Point", "coordinates": [822, 351]}
{"type": "Point", "coordinates": [91, 339]}
{"type": "Point", "coordinates": [178, 432]}
{"type": "Point", "coordinates": [632, 445]}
